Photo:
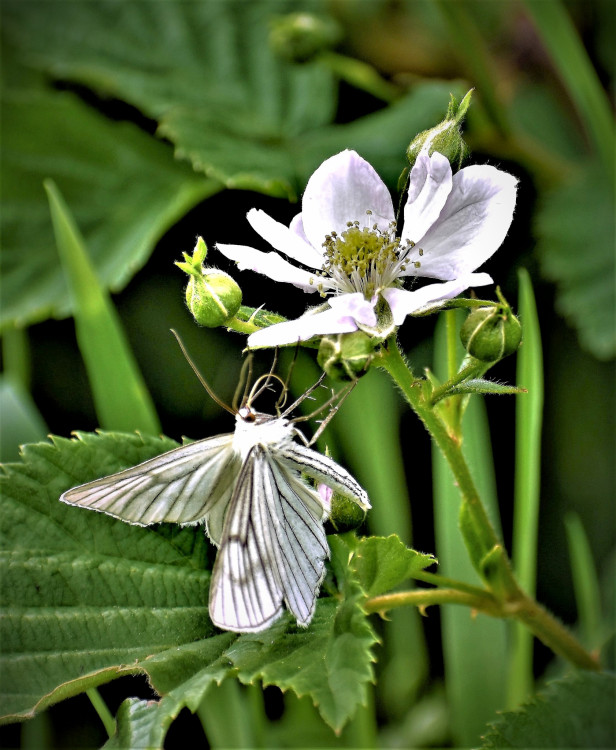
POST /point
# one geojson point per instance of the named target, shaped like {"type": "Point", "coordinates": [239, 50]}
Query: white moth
{"type": "Point", "coordinates": [249, 490]}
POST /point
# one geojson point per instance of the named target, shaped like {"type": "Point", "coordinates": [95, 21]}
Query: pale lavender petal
{"type": "Point", "coordinates": [272, 265]}
{"type": "Point", "coordinates": [302, 329]}
{"type": "Point", "coordinates": [429, 186]}
{"type": "Point", "coordinates": [471, 227]}
{"type": "Point", "coordinates": [356, 306]}
{"type": "Point", "coordinates": [403, 302]}
{"type": "Point", "coordinates": [325, 494]}
{"type": "Point", "coordinates": [284, 239]}
{"type": "Point", "coordinates": [343, 189]}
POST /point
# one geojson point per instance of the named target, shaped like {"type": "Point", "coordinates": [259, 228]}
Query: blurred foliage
{"type": "Point", "coordinates": [161, 121]}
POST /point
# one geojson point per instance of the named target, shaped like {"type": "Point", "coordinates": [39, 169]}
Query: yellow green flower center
{"type": "Point", "coordinates": [363, 259]}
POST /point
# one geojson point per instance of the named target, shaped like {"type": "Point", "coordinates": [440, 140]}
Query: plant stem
{"type": "Point", "coordinates": [426, 597]}
{"type": "Point", "coordinates": [509, 600]}
{"type": "Point", "coordinates": [393, 361]}
{"type": "Point", "coordinates": [102, 710]}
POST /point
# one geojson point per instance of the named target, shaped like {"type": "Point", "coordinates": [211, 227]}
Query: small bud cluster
{"type": "Point", "coordinates": [212, 296]}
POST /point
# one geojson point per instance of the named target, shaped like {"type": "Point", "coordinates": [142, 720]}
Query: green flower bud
{"type": "Point", "coordinates": [345, 515]}
{"type": "Point", "coordinates": [299, 37]}
{"type": "Point", "coordinates": [491, 333]}
{"type": "Point", "coordinates": [446, 137]}
{"type": "Point", "coordinates": [346, 356]}
{"type": "Point", "coordinates": [212, 296]}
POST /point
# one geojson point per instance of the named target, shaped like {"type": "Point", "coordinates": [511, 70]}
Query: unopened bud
{"type": "Point", "coordinates": [344, 514]}
{"type": "Point", "coordinates": [212, 296]}
{"type": "Point", "coordinates": [346, 356]}
{"type": "Point", "coordinates": [446, 137]}
{"type": "Point", "coordinates": [299, 37]}
{"type": "Point", "coordinates": [491, 333]}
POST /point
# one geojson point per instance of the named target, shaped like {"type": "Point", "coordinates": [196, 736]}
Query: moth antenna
{"type": "Point", "coordinates": [303, 397]}
{"type": "Point", "coordinates": [254, 394]}
{"type": "Point", "coordinates": [257, 389]}
{"type": "Point", "coordinates": [285, 392]}
{"type": "Point", "coordinates": [200, 376]}
{"type": "Point", "coordinates": [330, 416]}
{"type": "Point", "coordinates": [242, 385]}
{"type": "Point", "coordinates": [327, 404]}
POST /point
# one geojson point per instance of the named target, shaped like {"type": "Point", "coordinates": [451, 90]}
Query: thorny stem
{"type": "Point", "coordinates": [511, 601]}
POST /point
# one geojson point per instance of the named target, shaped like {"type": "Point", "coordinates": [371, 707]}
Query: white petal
{"type": "Point", "coordinates": [472, 224]}
{"type": "Point", "coordinates": [302, 329]}
{"type": "Point", "coordinates": [403, 302]}
{"type": "Point", "coordinates": [429, 187]}
{"type": "Point", "coordinates": [272, 265]}
{"type": "Point", "coordinates": [284, 239]}
{"type": "Point", "coordinates": [342, 189]}
{"type": "Point", "coordinates": [356, 306]}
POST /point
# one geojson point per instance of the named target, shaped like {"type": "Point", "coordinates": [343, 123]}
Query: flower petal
{"type": "Point", "coordinates": [302, 329]}
{"type": "Point", "coordinates": [284, 239]}
{"type": "Point", "coordinates": [471, 227]}
{"type": "Point", "coordinates": [429, 186]}
{"type": "Point", "coordinates": [342, 189]}
{"type": "Point", "coordinates": [356, 306]}
{"type": "Point", "coordinates": [403, 302]}
{"type": "Point", "coordinates": [272, 265]}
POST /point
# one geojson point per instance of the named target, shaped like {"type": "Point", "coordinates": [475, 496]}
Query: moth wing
{"type": "Point", "coordinates": [184, 485]}
{"type": "Point", "coordinates": [298, 515]}
{"type": "Point", "coordinates": [325, 470]}
{"type": "Point", "coordinates": [246, 590]}
{"type": "Point", "coordinates": [273, 548]}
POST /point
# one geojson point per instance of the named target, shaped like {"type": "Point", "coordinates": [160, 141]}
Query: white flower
{"type": "Point", "coordinates": [346, 236]}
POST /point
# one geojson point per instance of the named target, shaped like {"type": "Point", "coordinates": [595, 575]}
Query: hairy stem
{"type": "Point", "coordinates": [507, 599]}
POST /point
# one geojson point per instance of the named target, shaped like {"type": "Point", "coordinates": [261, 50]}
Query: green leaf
{"type": "Point", "coordinates": [481, 385]}
{"type": "Point", "coordinates": [575, 230]}
{"type": "Point", "coordinates": [577, 711]}
{"type": "Point", "coordinates": [527, 487]}
{"type": "Point", "coordinates": [206, 74]}
{"type": "Point", "coordinates": [381, 563]}
{"type": "Point", "coordinates": [84, 596]}
{"type": "Point", "coordinates": [136, 726]}
{"type": "Point", "coordinates": [120, 395]}
{"type": "Point", "coordinates": [87, 598]}
{"type": "Point", "coordinates": [203, 71]}
{"type": "Point", "coordinates": [124, 188]}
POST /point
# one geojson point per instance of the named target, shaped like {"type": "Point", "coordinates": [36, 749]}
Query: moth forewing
{"type": "Point", "coordinates": [179, 486]}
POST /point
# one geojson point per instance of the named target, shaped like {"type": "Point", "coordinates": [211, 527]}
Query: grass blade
{"type": "Point", "coordinates": [120, 396]}
{"type": "Point", "coordinates": [474, 648]}
{"type": "Point", "coordinates": [576, 70]}
{"type": "Point", "coordinates": [529, 413]}
{"type": "Point", "coordinates": [585, 582]}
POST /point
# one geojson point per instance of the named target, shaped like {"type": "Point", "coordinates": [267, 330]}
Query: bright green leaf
{"type": "Point", "coordinates": [381, 563]}
{"type": "Point", "coordinates": [137, 726]}
{"type": "Point", "coordinates": [577, 711]}
{"type": "Point", "coordinates": [575, 229]}
{"type": "Point", "coordinates": [87, 598]}
{"type": "Point", "coordinates": [124, 188]}
{"type": "Point", "coordinates": [84, 595]}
